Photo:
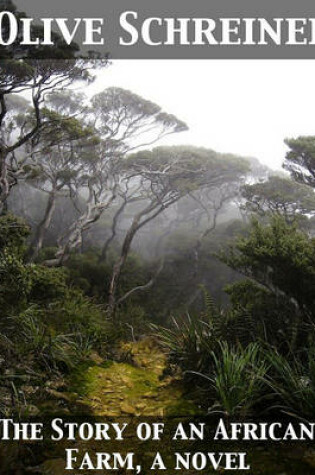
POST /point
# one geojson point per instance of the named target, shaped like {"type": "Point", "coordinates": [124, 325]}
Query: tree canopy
{"type": "Point", "coordinates": [279, 195]}
{"type": "Point", "coordinates": [300, 159]}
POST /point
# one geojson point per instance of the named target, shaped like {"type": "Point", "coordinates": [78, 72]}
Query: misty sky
{"type": "Point", "coordinates": [242, 107]}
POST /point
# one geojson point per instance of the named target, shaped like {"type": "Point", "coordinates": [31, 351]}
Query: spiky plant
{"type": "Point", "coordinates": [293, 384]}
{"type": "Point", "coordinates": [236, 381]}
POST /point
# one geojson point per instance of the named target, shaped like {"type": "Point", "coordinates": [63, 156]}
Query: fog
{"type": "Point", "coordinates": [146, 173]}
{"type": "Point", "coordinates": [242, 107]}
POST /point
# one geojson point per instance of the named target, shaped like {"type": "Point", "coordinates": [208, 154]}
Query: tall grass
{"type": "Point", "coordinates": [238, 379]}
{"type": "Point", "coordinates": [35, 340]}
{"type": "Point", "coordinates": [236, 382]}
{"type": "Point", "coordinates": [189, 342]}
{"type": "Point", "coordinates": [292, 384]}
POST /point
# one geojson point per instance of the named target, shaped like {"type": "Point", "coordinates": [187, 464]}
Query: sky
{"type": "Point", "coordinates": [243, 107]}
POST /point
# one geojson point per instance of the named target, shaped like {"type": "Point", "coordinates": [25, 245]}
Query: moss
{"type": "Point", "coordinates": [123, 389]}
{"type": "Point", "coordinates": [116, 389]}
{"type": "Point", "coordinates": [82, 381]}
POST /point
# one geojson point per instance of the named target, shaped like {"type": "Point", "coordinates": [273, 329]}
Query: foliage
{"type": "Point", "coordinates": [132, 321]}
{"type": "Point", "coordinates": [167, 201]}
{"type": "Point", "coordinates": [281, 260]}
{"type": "Point", "coordinates": [300, 159]}
{"type": "Point", "coordinates": [47, 284]}
{"type": "Point", "coordinates": [62, 147]}
{"type": "Point", "coordinates": [13, 231]}
{"type": "Point", "coordinates": [259, 314]}
{"type": "Point", "coordinates": [190, 168]}
{"type": "Point", "coordinates": [35, 341]}
{"type": "Point", "coordinates": [279, 195]}
{"type": "Point", "coordinates": [22, 71]}
{"type": "Point", "coordinates": [22, 283]}
{"type": "Point", "coordinates": [81, 317]}
{"type": "Point", "coordinates": [293, 383]}
{"type": "Point", "coordinates": [230, 377]}
{"type": "Point", "coordinates": [93, 277]}
{"type": "Point", "coordinates": [60, 49]}
{"type": "Point", "coordinates": [46, 328]}
{"type": "Point", "coordinates": [16, 282]}
{"type": "Point", "coordinates": [191, 341]}
{"type": "Point", "coordinates": [238, 379]}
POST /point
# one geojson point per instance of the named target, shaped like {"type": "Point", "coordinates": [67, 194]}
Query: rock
{"type": "Point", "coordinates": [127, 408]}
{"type": "Point", "coordinates": [95, 357]}
{"type": "Point", "coordinates": [109, 413]}
{"type": "Point", "coordinates": [132, 389]}
{"type": "Point", "coordinates": [149, 395]}
{"type": "Point", "coordinates": [68, 397]}
{"type": "Point", "coordinates": [96, 399]}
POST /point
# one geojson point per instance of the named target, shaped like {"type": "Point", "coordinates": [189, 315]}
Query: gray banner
{"type": "Point", "coordinates": [270, 29]}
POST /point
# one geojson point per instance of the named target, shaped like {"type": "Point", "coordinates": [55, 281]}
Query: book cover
{"type": "Point", "coordinates": [157, 252]}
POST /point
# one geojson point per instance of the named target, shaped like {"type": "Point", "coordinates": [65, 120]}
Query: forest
{"type": "Point", "coordinates": [143, 279]}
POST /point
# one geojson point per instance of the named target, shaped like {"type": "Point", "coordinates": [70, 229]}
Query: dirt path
{"type": "Point", "coordinates": [137, 388]}
{"type": "Point", "coordinates": [119, 391]}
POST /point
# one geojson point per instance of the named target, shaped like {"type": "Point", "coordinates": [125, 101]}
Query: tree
{"type": "Point", "coordinates": [300, 159]}
{"type": "Point", "coordinates": [34, 78]}
{"type": "Point", "coordinates": [279, 262]}
{"type": "Point", "coordinates": [279, 195]}
{"type": "Point", "coordinates": [124, 122]}
{"type": "Point", "coordinates": [59, 155]}
{"type": "Point", "coordinates": [168, 174]}
{"type": "Point", "coordinates": [33, 71]}
{"type": "Point", "coordinates": [59, 50]}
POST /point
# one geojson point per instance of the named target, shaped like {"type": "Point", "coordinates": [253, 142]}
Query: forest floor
{"type": "Point", "coordinates": [136, 387]}
{"type": "Point", "coordinates": [139, 389]}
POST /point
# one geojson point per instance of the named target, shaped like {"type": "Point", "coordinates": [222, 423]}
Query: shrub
{"type": "Point", "coordinates": [37, 345]}
{"type": "Point", "coordinates": [279, 261]}
{"type": "Point", "coordinates": [15, 281]}
{"type": "Point", "coordinates": [293, 383]}
{"type": "Point", "coordinates": [13, 232]}
{"type": "Point", "coordinates": [191, 341]}
{"type": "Point", "coordinates": [47, 284]}
{"type": "Point", "coordinates": [238, 379]}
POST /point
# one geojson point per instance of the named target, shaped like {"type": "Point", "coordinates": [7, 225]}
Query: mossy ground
{"type": "Point", "coordinates": [119, 391]}
{"type": "Point", "coordinates": [136, 388]}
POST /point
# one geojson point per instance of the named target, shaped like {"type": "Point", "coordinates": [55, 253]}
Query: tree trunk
{"type": "Point", "coordinates": [138, 222]}
{"type": "Point", "coordinates": [43, 226]}
{"type": "Point", "coordinates": [113, 232]}
{"type": "Point", "coordinates": [4, 181]}
{"type": "Point", "coordinates": [141, 288]}
{"type": "Point", "coordinates": [120, 264]}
